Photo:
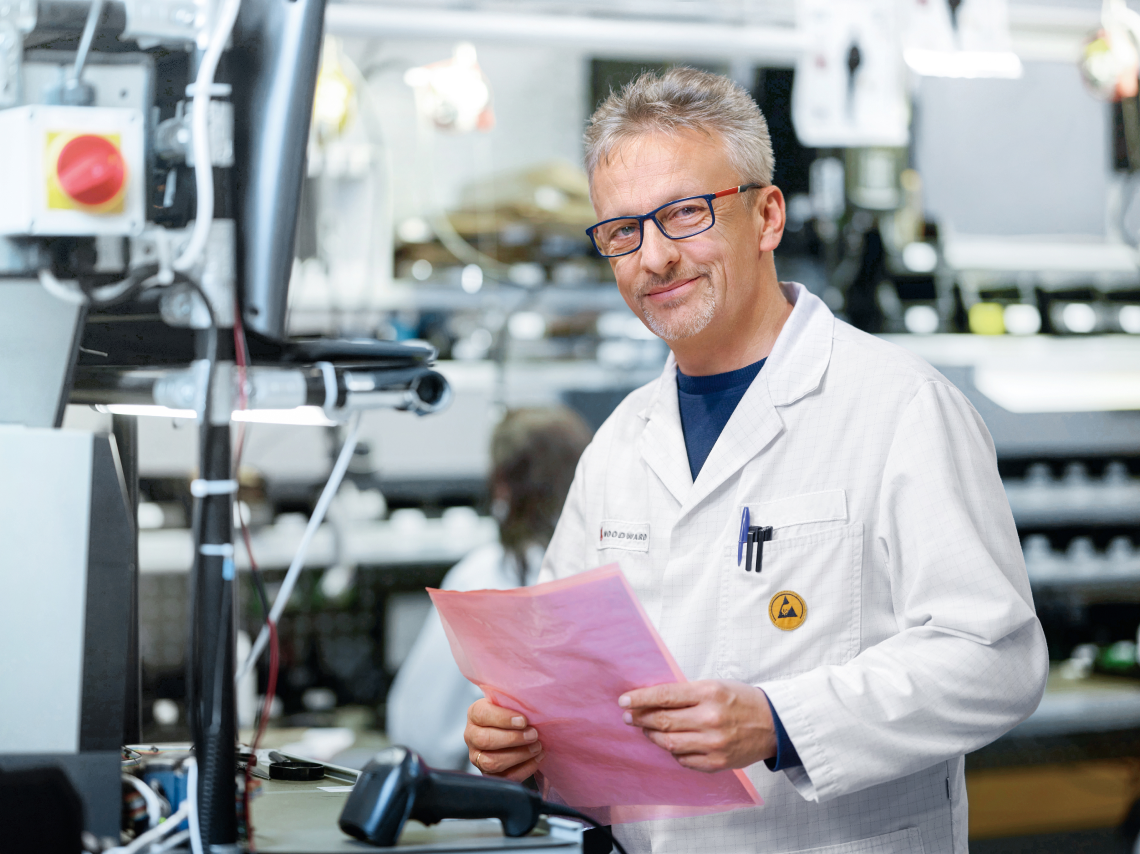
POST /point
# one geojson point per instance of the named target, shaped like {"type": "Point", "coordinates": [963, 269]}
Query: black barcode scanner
{"type": "Point", "coordinates": [396, 785]}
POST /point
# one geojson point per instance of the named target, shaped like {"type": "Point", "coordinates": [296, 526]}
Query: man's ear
{"type": "Point", "coordinates": [771, 216]}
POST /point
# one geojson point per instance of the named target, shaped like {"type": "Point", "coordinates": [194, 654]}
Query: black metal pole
{"type": "Point", "coordinates": [126, 431]}
{"type": "Point", "coordinates": [213, 718]}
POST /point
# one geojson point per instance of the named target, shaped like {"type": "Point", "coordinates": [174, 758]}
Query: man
{"type": "Point", "coordinates": [830, 555]}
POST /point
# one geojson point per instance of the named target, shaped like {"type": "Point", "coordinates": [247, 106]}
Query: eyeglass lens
{"type": "Point", "coordinates": [684, 218]}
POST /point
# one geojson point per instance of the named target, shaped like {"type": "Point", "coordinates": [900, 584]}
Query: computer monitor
{"type": "Point", "coordinates": [277, 45]}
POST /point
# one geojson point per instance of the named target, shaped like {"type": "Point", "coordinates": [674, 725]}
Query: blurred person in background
{"type": "Point", "coordinates": [533, 456]}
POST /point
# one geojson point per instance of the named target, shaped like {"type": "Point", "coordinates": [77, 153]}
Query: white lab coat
{"type": "Point", "coordinates": [920, 642]}
{"type": "Point", "coordinates": [427, 704]}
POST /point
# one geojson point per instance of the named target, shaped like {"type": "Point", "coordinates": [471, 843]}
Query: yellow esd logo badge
{"type": "Point", "coordinates": [787, 610]}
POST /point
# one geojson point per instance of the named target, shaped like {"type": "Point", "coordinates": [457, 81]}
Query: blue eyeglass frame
{"type": "Point", "coordinates": [708, 199]}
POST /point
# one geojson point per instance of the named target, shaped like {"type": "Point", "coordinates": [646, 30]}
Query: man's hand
{"type": "Point", "coordinates": [708, 726]}
{"type": "Point", "coordinates": [499, 742]}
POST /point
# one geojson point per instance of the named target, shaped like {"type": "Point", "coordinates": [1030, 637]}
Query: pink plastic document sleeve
{"type": "Point", "coordinates": [562, 653]}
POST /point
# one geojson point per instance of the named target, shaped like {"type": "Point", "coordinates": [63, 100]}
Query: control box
{"type": "Point", "coordinates": [72, 171]}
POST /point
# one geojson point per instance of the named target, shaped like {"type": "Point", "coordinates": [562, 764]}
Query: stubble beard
{"type": "Point", "coordinates": [683, 317]}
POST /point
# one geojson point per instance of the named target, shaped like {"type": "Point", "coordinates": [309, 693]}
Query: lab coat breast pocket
{"type": "Point", "coordinates": [800, 611]}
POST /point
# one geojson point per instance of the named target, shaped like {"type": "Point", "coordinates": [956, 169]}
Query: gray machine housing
{"type": "Point", "coordinates": [64, 616]}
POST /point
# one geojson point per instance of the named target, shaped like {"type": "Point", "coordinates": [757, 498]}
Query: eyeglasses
{"type": "Point", "coordinates": [676, 220]}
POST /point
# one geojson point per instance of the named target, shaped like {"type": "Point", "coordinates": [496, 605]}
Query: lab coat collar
{"type": "Point", "coordinates": [662, 442]}
{"type": "Point", "coordinates": [793, 370]}
{"type": "Point", "coordinates": [796, 365]}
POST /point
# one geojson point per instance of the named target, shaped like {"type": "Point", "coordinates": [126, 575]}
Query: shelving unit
{"type": "Point", "coordinates": [408, 539]}
{"type": "Point", "coordinates": [1040, 500]}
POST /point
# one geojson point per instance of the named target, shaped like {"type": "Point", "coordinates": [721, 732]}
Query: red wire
{"type": "Point", "coordinates": [240, 350]}
{"type": "Point", "coordinates": [271, 685]}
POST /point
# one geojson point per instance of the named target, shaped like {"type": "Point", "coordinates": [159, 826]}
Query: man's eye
{"type": "Point", "coordinates": [619, 233]}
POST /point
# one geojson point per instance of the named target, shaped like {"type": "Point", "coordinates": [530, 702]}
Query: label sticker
{"type": "Point", "coordinates": [631, 536]}
{"type": "Point", "coordinates": [787, 610]}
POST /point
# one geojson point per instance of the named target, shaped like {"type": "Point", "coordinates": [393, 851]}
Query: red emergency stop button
{"type": "Point", "coordinates": [90, 169]}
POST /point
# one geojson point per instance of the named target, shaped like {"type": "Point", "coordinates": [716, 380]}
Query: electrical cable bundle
{"type": "Point", "coordinates": [154, 840]}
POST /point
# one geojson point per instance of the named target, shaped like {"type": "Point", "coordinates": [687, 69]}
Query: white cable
{"type": "Point", "coordinates": [173, 842]}
{"type": "Point", "coordinates": [114, 291]}
{"type": "Point", "coordinates": [298, 563]}
{"type": "Point", "coordinates": [165, 261]}
{"type": "Point", "coordinates": [154, 834]}
{"type": "Point", "coordinates": [200, 130]}
{"type": "Point", "coordinates": [153, 804]}
{"type": "Point", "coordinates": [191, 765]}
{"type": "Point", "coordinates": [61, 291]}
{"type": "Point", "coordinates": [85, 40]}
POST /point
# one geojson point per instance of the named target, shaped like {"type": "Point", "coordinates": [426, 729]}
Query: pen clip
{"type": "Point", "coordinates": [759, 535]}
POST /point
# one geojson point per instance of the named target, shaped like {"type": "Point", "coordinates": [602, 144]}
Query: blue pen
{"type": "Point", "coordinates": [744, 525]}
{"type": "Point", "coordinates": [751, 536]}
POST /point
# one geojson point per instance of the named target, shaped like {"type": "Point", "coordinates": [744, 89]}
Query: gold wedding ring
{"type": "Point", "coordinates": [478, 759]}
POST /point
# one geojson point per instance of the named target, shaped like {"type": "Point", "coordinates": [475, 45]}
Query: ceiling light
{"type": "Point", "coordinates": [302, 416]}
{"type": "Point", "coordinates": [146, 410]}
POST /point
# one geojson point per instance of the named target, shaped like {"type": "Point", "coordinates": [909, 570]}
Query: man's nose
{"type": "Point", "coordinates": [658, 253]}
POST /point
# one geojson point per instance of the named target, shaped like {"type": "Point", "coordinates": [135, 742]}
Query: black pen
{"type": "Point", "coordinates": [763, 534]}
{"type": "Point", "coordinates": [759, 535]}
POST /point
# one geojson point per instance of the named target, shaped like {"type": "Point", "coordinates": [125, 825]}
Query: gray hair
{"type": "Point", "coordinates": [684, 99]}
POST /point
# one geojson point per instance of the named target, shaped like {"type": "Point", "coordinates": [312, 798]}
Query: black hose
{"type": "Point", "coordinates": [207, 732]}
{"type": "Point", "coordinates": [210, 760]}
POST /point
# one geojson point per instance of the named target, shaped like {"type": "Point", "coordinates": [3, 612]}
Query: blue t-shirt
{"type": "Point", "coordinates": [706, 404]}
